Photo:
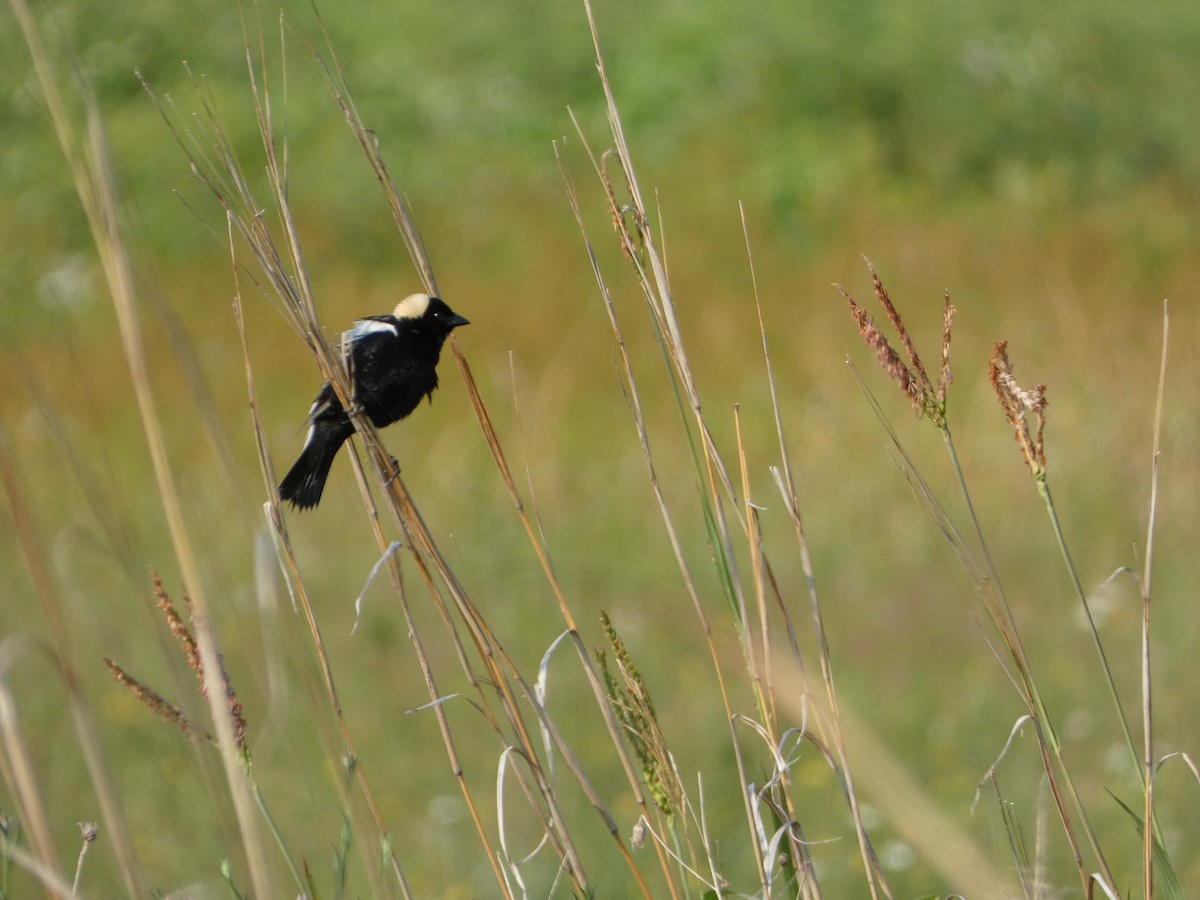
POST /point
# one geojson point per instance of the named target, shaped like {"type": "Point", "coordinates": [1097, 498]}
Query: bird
{"type": "Point", "coordinates": [393, 367]}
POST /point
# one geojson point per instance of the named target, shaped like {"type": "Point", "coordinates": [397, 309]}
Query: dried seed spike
{"type": "Point", "coordinates": [945, 378]}
{"type": "Point", "coordinates": [176, 625]}
{"type": "Point", "coordinates": [235, 708]}
{"type": "Point", "coordinates": [889, 359]}
{"type": "Point", "coordinates": [182, 633]}
{"type": "Point", "coordinates": [997, 367]}
{"type": "Point", "coordinates": [914, 359]}
{"type": "Point", "coordinates": [156, 704]}
{"type": "Point", "coordinates": [1016, 402]}
{"type": "Point", "coordinates": [1039, 409]}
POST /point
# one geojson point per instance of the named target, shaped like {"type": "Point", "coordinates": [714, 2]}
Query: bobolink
{"type": "Point", "coordinates": [393, 362]}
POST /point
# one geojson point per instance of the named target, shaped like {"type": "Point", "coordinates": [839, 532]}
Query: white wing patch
{"type": "Point", "coordinates": [363, 327]}
{"type": "Point", "coordinates": [412, 307]}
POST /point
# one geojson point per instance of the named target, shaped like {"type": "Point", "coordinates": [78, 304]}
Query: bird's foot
{"type": "Point", "coordinates": [395, 470]}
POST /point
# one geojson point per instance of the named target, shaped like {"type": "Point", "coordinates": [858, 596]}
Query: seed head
{"type": "Point", "coordinates": [1017, 404]}
{"type": "Point", "coordinates": [910, 376]}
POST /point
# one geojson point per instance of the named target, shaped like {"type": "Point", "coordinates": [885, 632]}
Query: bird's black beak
{"type": "Point", "coordinates": [457, 320]}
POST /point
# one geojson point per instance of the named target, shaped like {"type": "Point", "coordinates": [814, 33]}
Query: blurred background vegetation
{"type": "Point", "coordinates": [1037, 160]}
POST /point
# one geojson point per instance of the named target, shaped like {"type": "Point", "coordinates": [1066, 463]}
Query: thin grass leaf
{"type": "Point", "coordinates": [1165, 882]}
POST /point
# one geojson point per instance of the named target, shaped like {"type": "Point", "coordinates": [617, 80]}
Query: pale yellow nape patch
{"type": "Point", "coordinates": [412, 307]}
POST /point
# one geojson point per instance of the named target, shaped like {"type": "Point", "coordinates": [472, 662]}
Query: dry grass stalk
{"type": "Point", "coordinates": [629, 218]}
{"type": "Point", "coordinates": [88, 831]}
{"type": "Point", "coordinates": [90, 165]}
{"type": "Point", "coordinates": [1017, 404]}
{"type": "Point", "coordinates": [632, 392]}
{"type": "Point", "coordinates": [633, 395]}
{"type": "Point", "coordinates": [283, 264]}
{"type": "Point", "coordinates": [785, 482]}
{"type": "Point", "coordinates": [618, 211]}
{"type": "Point", "coordinates": [343, 743]}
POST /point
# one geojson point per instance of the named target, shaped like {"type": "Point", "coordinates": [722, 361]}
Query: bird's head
{"type": "Point", "coordinates": [427, 310]}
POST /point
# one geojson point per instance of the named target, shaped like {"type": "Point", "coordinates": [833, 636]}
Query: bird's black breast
{"type": "Point", "coordinates": [394, 369]}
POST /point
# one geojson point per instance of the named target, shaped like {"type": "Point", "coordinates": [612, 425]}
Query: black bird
{"type": "Point", "coordinates": [393, 362]}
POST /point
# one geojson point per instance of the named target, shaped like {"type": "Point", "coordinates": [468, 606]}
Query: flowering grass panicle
{"type": "Point", "coordinates": [155, 702]}
{"type": "Point", "coordinates": [1018, 403]}
{"type": "Point", "coordinates": [911, 376]}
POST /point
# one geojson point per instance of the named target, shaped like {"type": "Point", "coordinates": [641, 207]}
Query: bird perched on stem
{"type": "Point", "coordinates": [393, 366]}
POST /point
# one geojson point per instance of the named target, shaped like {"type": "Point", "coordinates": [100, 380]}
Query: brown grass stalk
{"type": "Point", "coordinates": [640, 246]}
{"type": "Point", "coordinates": [223, 177]}
{"type": "Point", "coordinates": [404, 510]}
{"type": "Point", "coordinates": [89, 164]}
{"type": "Point", "coordinates": [786, 485]}
{"type": "Point", "coordinates": [345, 744]}
{"type": "Point", "coordinates": [20, 778]}
{"type": "Point", "coordinates": [1018, 405]}
{"type": "Point", "coordinates": [641, 428]}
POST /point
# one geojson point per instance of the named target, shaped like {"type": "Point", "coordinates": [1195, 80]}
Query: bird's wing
{"type": "Point", "coordinates": [372, 341]}
{"type": "Point", "coordinates": [369, 336]}
{"type": "Point", "coordinates": [372, 325]}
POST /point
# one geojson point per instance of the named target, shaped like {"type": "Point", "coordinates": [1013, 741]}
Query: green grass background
{"type": "Point", "coordinates": [1038, 160]}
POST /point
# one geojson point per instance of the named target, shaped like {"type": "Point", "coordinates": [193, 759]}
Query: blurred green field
{"type": "Point", "coordinates": [1038, 161]}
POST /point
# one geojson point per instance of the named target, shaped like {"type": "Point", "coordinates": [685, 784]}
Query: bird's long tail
{"type": "Point", "coordinates": [305, 481]}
